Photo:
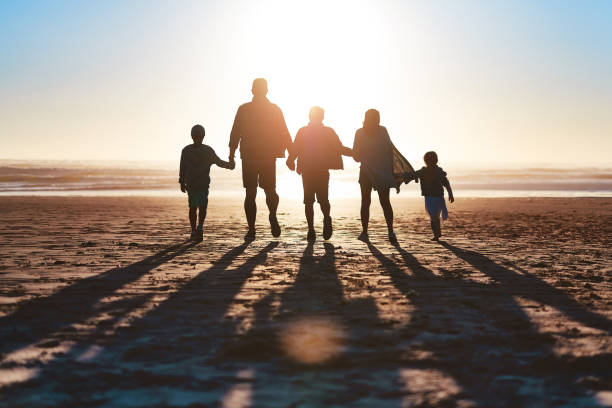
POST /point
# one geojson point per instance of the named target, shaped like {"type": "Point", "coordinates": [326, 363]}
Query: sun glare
{"type": "Point", "coordinates": [313, 340]}
{"type": "Point", "coordinates": [316, 57]}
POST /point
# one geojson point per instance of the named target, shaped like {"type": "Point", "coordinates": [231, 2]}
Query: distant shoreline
{"type": "Point", "coordinates": [238, 194]}
{"type": "Point", "coordinates": [57, 178]}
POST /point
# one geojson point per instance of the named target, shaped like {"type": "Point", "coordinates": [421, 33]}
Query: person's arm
{"type": "Point", "coordinates": [283, 133]}
{"type": "Point", "coordinates": [181, 179]}
{"type": "Point", "coordinates": [345, 151]}
{"type": "Point", "coordinates": [451, 197]}
{"type": "Point", "coordinates": [447, 185]}
{"type": "Point", "coordinates": [235, 136]}
{"type": "Point", "coordinates": [294, 151]}
{"type": "Point", "coordinates": [414, 175]}
{"type": "Point", "coordinates": [356, 155]}
{"type": "Point", "coordinates": [231, 164]}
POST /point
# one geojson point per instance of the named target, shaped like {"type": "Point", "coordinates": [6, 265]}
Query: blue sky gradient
{"type": "Point", "coordinates": [478, 81]}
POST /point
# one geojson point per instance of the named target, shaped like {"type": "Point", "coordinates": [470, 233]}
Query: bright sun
{"type": "Point", "coordinates": [315, 53]}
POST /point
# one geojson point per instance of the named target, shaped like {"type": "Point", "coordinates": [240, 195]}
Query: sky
{"type": "Point", "coordinates": [503, 82]}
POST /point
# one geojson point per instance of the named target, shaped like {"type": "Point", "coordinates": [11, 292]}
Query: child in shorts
{"type": "Point", "coordinates": [194, 177]}
{"type": "Point", "coordinates": [433, 179]}
{"type": "Point", "coordinates": [317, 149]}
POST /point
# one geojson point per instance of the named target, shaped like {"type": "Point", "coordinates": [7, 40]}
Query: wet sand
{"type": "Point", "coordinates": [103, 302]}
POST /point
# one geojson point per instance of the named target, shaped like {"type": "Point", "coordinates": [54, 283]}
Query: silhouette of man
{"type": "Point", "coordinates": [260, 130]}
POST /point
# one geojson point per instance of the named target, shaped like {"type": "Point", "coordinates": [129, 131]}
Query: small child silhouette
{"type": "Point", "coordinates": [433, 179]}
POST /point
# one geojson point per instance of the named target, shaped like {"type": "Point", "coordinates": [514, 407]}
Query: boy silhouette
{"type": "Point", "coordinates": [194, 177]}
{"type": "Point", "coordinates": [317, 149]}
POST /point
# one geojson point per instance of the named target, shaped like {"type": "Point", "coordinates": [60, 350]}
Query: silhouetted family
{"type": "Point", "coordinates": [261, 133]}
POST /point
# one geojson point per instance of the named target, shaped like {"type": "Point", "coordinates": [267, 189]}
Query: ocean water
{"type": "Point", "coordinates": [161, 179]}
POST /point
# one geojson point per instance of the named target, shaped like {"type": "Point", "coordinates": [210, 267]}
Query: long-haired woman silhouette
{"type": "Point", "coordinates": [373, 148]}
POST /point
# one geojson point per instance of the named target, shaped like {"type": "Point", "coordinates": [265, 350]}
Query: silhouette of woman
{"type": "Point", "coordinates": [373, 148]}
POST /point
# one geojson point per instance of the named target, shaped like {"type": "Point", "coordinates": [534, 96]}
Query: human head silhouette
{"type": "Point", "coordinates": [371, 120]}
{"type": "Point", "coordinates": [431, 159]}
{"type": "Point", "coordinates": [197, 133]}
{"type": "Point", "coordinates": [316, 114]}
{"type": "Point", "coordinates": [260, 87]}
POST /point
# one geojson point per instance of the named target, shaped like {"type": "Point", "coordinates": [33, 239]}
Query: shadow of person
{"type": "Point", "coordinates": [478, 337]}
{"type": "Point", "coordinates": [195, 313]}
{"type": "Point", "coordinates": [41, 317]}
{"type": "Point", "coordinates": [528, 286]}
{"type": "Point", "coordinates": [317, 288]}
{"type": "Point", "coordinates": [306, 340]}
{"type": "Point", "coordinates": [313, 297]}
{"type": "Point", "coordinates": [174, 345]}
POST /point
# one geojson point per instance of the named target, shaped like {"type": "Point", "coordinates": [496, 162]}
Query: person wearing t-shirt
{"type": "Point", "coordinates": [317, 149]}
{"type": "Point", "coordinates": [433, 181]}
{"type": "Point", "coordinates": [194, 177]}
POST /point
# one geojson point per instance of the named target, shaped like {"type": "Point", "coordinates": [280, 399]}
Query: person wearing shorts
{"type": "Point", "coordinates": [259, 173]}
{"type": "Point", "coordinates": [433, 182]}
{"type": "Point", "coordinates": [194, 177]}
{"type": "Point", "coordinates": [317, 149]}
{"type": "Point", "coordinates": [260, 131]}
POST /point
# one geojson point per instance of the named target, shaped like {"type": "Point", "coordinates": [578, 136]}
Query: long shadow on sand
{"type": "Point", "coordinates": [185, 352]}
{"type": "Point", "coordinates": [190, 324]}
{"type": "Point", "coordinates": [528, 286]}
{"type": "Point", "coordinates": [310, 346]}
{"type": "Point", "coordinates": [40, 317]}
{"type": "Point", "coordinates": [482, 338]}
{"type": "Point", "coordinates": [171, 347]}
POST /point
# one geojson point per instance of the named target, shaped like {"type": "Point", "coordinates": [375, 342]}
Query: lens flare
{"type": "Point", "coordinates": [313, 340]}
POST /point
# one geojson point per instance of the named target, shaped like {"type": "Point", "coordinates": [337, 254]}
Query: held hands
{"type": "Point", "coordinates": [232, 163]}
{"type": "Point", "coordinates": [291, 164]}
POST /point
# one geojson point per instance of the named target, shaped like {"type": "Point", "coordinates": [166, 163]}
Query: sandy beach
{"type": "Point", "coordinates": [104, 302]}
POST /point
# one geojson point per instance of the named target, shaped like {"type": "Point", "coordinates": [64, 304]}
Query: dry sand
{"type": "Point", "coordinates": [104, 303]}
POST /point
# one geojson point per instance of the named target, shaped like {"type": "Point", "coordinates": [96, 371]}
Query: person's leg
{"type": "Point", "coordinates": [202, 211]}
{"type": "Point", "coordinates": [250, 207]}
{"type": "Point", "coordinates": [383, 197]}
{"type": "Point", "coordinates": [366, 192]}
{"type": "Point", "coordinates": [199, 233]}
{"type": "Point", "coordinates": [436, 224]}
{"type": "Point", "coordinates": [327, 221]}
{"type": "Point", "coordinates": [272, 200]}
{"type": "Point", "coordinates": [309, 199]}
{"type": "Point", "coordinates": [323, 198]}
{"type": "Point", "coordinates": [435, 227]}
{"type": "Point", "coordinates": [250, 174]}
{"type": "Point", "coordinates": [325, 208]}
{"type": "Point", "coordinates": [267, 181]}
{"type": "Point", "coordinates": [323, 194]}
{"type": "Point", "coordinates": [433, 208]}
{"type": "Point", "coordinates": [202, 205]}
{"type": "Point", "coordinates": [192, 217]}
{"type": "Point", "coordinates": [309, 212]}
